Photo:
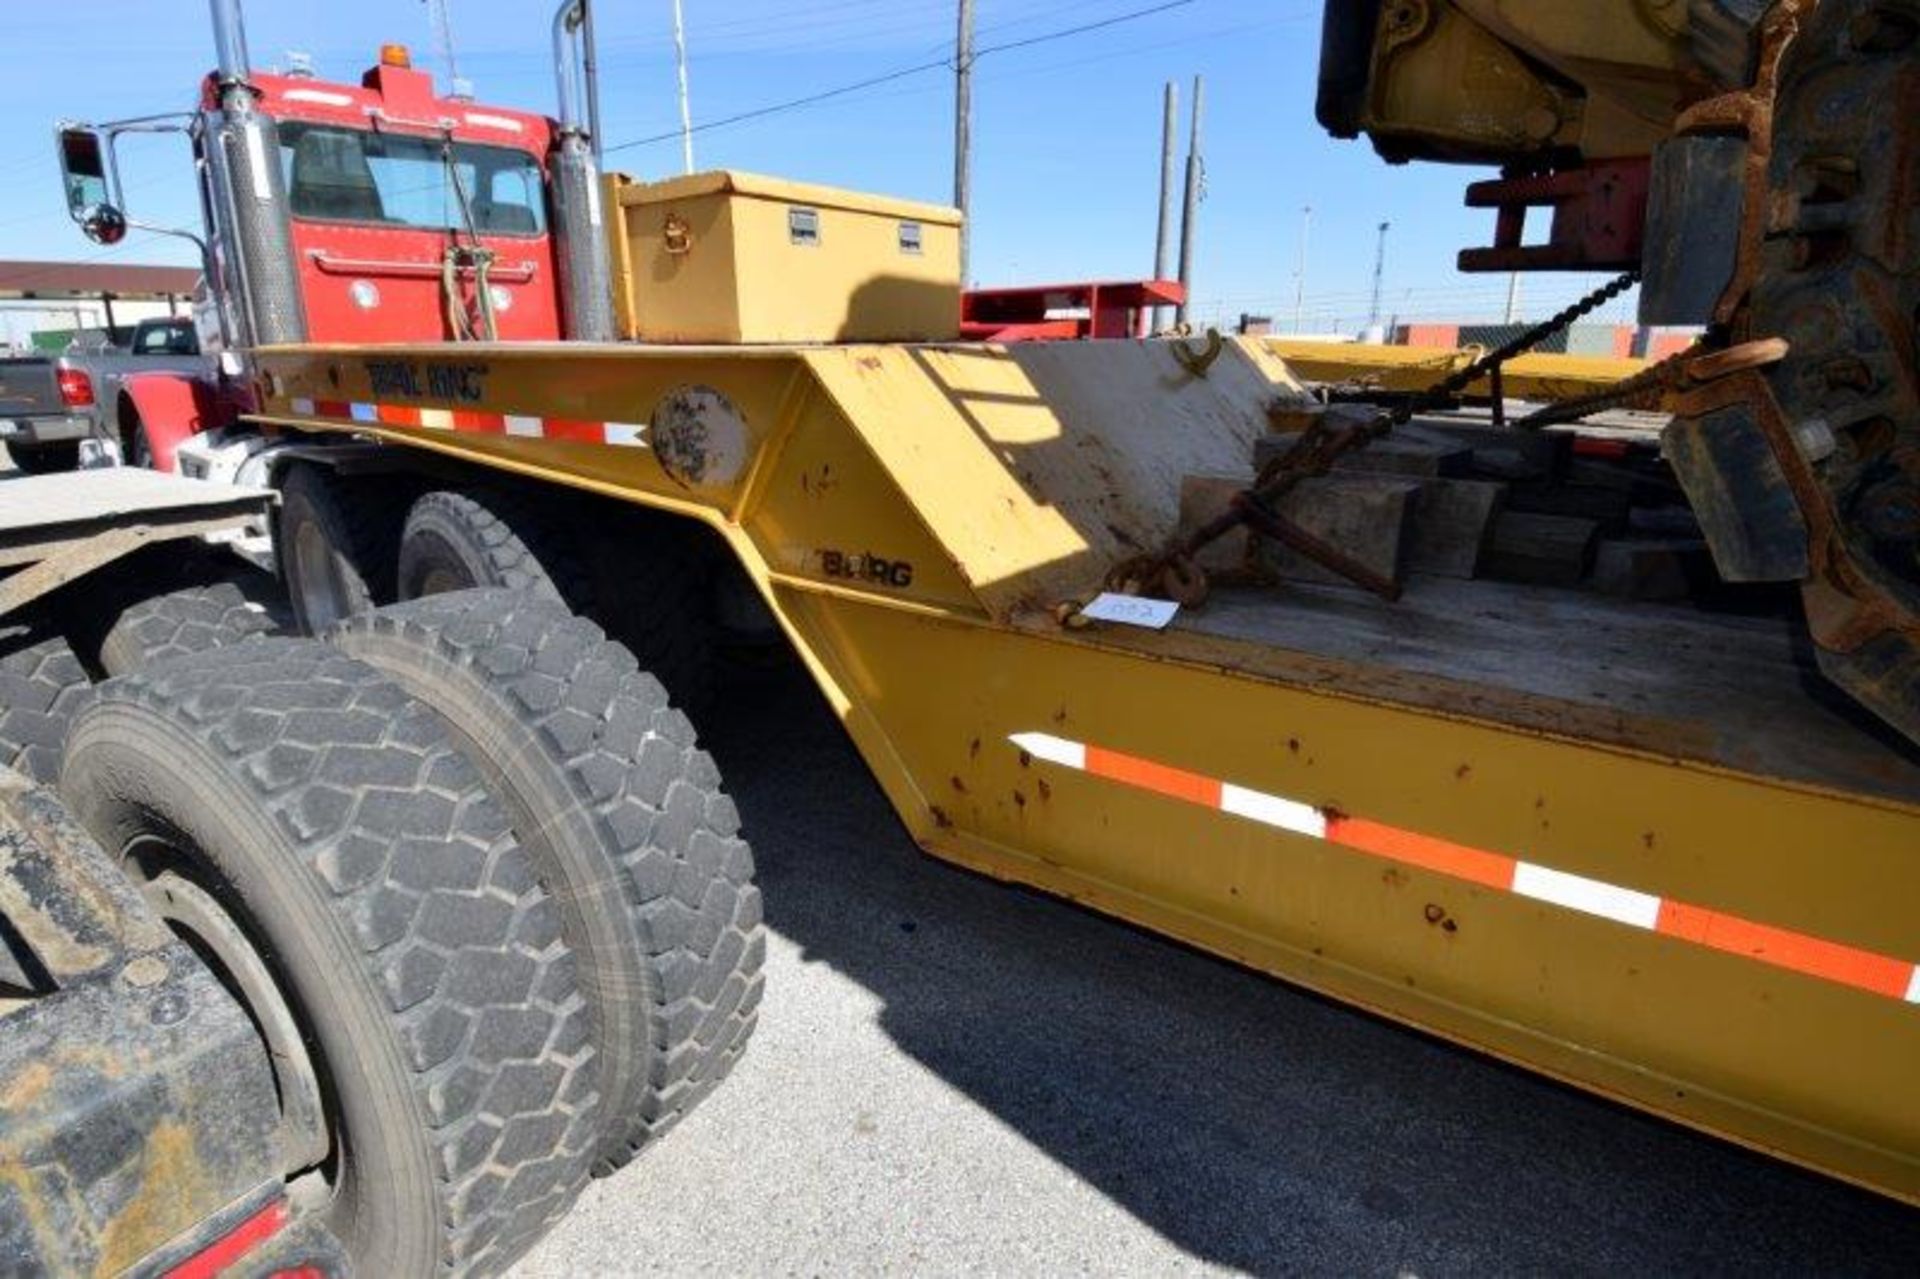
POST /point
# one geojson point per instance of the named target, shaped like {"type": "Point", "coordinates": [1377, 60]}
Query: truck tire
{"type": "Point", "coordinates": [185, 621]}
{"type": "Point", "coordinates": [456, 539]}
{"type": "Point", "coordinates": [623, 815]}
{"type": "Point", "coordinates": [336, 538]}
{"type": "Point", "coordinates": [41, 684]}
{"type": "Point", "coordinates": [345, 856]}
{"type": "Point", "coordinates": [46, 459]}
{"type": "Point", "coordinates": [654, 576]}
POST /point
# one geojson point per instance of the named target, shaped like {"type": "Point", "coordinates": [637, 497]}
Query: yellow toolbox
{"type": "Point", "coordinates": [734, 257]}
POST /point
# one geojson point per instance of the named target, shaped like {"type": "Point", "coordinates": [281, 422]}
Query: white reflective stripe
{"type": "Point", "coordinates": [1271, 810]}
{"type": "Point", "coordinates": [527, 426]}
{"type": "Point", "coordinates": [318, 95]}
{"type": "Point", "coordinates": [364, 412]}
{"type": "Point", "coordinates": [438, 419]}
{"type": "Point", "coordinates": [303, 407]}
{"type": "Point", "coordinates": [1590, 896]}
{"type": "Point", "coordinates": [1055, 750]}
{"type": "Point", "coordinates": [1913, 986]}
{"type": "Point", "coordinates": [486, 121]}
{"type": "Point", "coordinates": [627, 433]}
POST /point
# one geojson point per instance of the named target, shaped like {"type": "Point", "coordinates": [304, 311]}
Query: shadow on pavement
{"type": "Point", "coordinates": [1251, 1124]}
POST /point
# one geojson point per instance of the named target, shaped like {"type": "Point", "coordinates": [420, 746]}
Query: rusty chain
{"type": "Point", "coordinates": [1172, 572]}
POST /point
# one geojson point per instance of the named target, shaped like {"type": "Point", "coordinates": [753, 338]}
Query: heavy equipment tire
{"type": "Point", "coordinates": [654, 578]}
{"type": "Point", "coordinates": [624, 817]}
{"type": "Point", "coordinates": [41, 684]}
{"type": "Point", "coordinates": [192, 620]}
{"type": "Point", "coordinates": [457, 539]}
{"type": "Point", "coordinates": [346, 858]}
{"type": "Point", "coordinates": [337, 539]}
{"type": "Point", "coordinates": [46, 459]}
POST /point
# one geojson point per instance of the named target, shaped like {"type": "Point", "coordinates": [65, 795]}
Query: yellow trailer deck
{"type": "Point", "coordinates": [1407, 370]}
{"type": "Point", "coordinates": [1631, 847]}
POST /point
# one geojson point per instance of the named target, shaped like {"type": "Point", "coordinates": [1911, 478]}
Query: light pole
{"type": "Point", "coordinates": [1379, 274]}
{"type": "Point", "coordinates": [686, 107]}
{"type": "Point", "coordinates": [963, 131]}
{"type": "Point", "coordinates": [1300, 271]}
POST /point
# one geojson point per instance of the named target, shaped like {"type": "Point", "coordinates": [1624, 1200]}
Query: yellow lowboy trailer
{"type": "Point", "coordinates": [1621, 844]}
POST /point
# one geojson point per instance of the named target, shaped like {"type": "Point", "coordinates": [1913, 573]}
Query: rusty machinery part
{"type": "Point", "coordinates": [141, 1109]}
{"type": "Point", "coordinates": [1173, 574]}
{"type": "Point", "coordinates": [1198, 362]}
{"type": "Point", "coordinates": [1808, 470]}
{"type": "Point", "coordinates": [1659, 386]}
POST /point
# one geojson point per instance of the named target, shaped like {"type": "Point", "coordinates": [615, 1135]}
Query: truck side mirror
{"type": "Point", "coordinates": [85, 175]}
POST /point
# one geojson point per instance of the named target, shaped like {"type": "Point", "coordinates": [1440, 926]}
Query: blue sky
{"type": "Point", "coordinates": [1066, 131]}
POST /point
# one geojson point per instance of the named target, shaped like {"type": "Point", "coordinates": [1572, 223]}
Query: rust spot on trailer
{"type": "Point", "coordinates": [957, 784]}
{"type": "Point", "coordinates": [1046, 790]}
{"type": "Point", "coordinates": [940, 817]}
{"type": "Point", "coordinates": [1463, 772]}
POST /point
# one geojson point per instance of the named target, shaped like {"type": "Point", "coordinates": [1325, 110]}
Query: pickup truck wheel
{"type": "Point", "coordinates": [46, 459]}
{"type": "Point", "coordinates": [457, 539]}
{"type": "Point", "coordinates": [311, 830]}
{"type": "Point", "coordinates": [336, 540]}
{"type": "Point", "coordinates": [41, 684]}
{"type": "Point", "coordinates": [185, 621]}
{"type": "Point", "coordinates": [623, 815]}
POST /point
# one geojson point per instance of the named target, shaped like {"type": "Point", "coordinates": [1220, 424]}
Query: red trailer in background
{"type": "Point", "coordinates": [1065, 312]}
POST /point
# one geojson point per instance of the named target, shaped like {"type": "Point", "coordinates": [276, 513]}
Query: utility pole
{"type": "Point", "coordinates": [443, 38]}
{"type": "Point", "coordinates": [963, 133]}
{"type": "Point", "coordinates": [1513, 297]}
{"type": "Point", "coordinates": [1300, 270]}
{"type": "Point", "coordinates": [1163, 241]}
{"type": "Point", "coordinates": [686, 106]}
{"type": "Point", "coordinates": [1379, 274]}
{"type": "Point", "coordinates": [1196, 169]}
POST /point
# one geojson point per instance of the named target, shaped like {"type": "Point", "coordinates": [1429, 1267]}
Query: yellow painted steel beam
{"type": "Point", "coordinates": [1609, 897]}
{"type": "Point", "coordinates": [1406, 369]}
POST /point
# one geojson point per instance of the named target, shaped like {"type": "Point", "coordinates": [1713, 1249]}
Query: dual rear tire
{"type": "Point", "coordinates": [348, 544]}
{"type": "Point", "coordinates": [471, 853]}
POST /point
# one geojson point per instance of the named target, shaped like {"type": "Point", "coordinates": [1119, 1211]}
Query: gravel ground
{"type": "Point", "coordinates": [955, 1076]}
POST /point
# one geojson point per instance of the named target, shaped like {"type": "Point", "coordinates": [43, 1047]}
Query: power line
{"type": "Point", "coordinates": [840, 91]}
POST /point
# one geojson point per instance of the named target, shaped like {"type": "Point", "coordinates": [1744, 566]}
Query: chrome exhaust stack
{"type": "Point", "coordinates": [586, 273]}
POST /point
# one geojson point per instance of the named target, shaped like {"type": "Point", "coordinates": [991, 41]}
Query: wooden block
{"type": "Point", "coordinates": [1366, 517]}
{"type": "Point", "coordinates": [1452, 524]}
{"type": "Point", "coordinates": [1202, 497]}
{"type": "Point", "coordinates": [1547, 550]}
{"type": "Point", "coordinates": [1663, 569]}
{"type": "Point", "coordinates": [1606, 507]}
{"type": "Point", "coordinates": [1423, 458]}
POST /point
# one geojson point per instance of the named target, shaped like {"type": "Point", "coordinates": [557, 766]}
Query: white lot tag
{"type": "Point", "coordinates": [1131, 610]}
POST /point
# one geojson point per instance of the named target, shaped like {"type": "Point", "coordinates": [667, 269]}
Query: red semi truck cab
{"type": "Point", "coordinates": [405, 206]}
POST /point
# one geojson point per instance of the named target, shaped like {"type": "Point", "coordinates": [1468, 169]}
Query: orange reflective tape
{"type": "Point", "coordinates": [566, 428]}
{"type": "Point", "coordinates": [1424, 851]}
{"type": "Point", "coordinates": [1783, 949]}
{"type": "Point", "coordinates": [470, 420]}
{"type": "Point", "coordinates": [1177, 783]}
{"type": "Point", "coordinates": [397, 414]}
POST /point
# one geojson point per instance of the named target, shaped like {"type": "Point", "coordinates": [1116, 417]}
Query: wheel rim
{"type": "Point", "coordinates": [313, 576]}
{"type": "Point", "coordinates": [197, 916]}
{"type": "Point", "coordinates": [439, 580]}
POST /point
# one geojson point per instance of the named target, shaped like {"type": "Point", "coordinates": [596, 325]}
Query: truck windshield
{"type": "Point", "coordinates": [346, 175]}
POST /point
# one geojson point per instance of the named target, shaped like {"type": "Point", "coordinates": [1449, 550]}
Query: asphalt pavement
{"type": "Point", "coordinates": [954, 1076]}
